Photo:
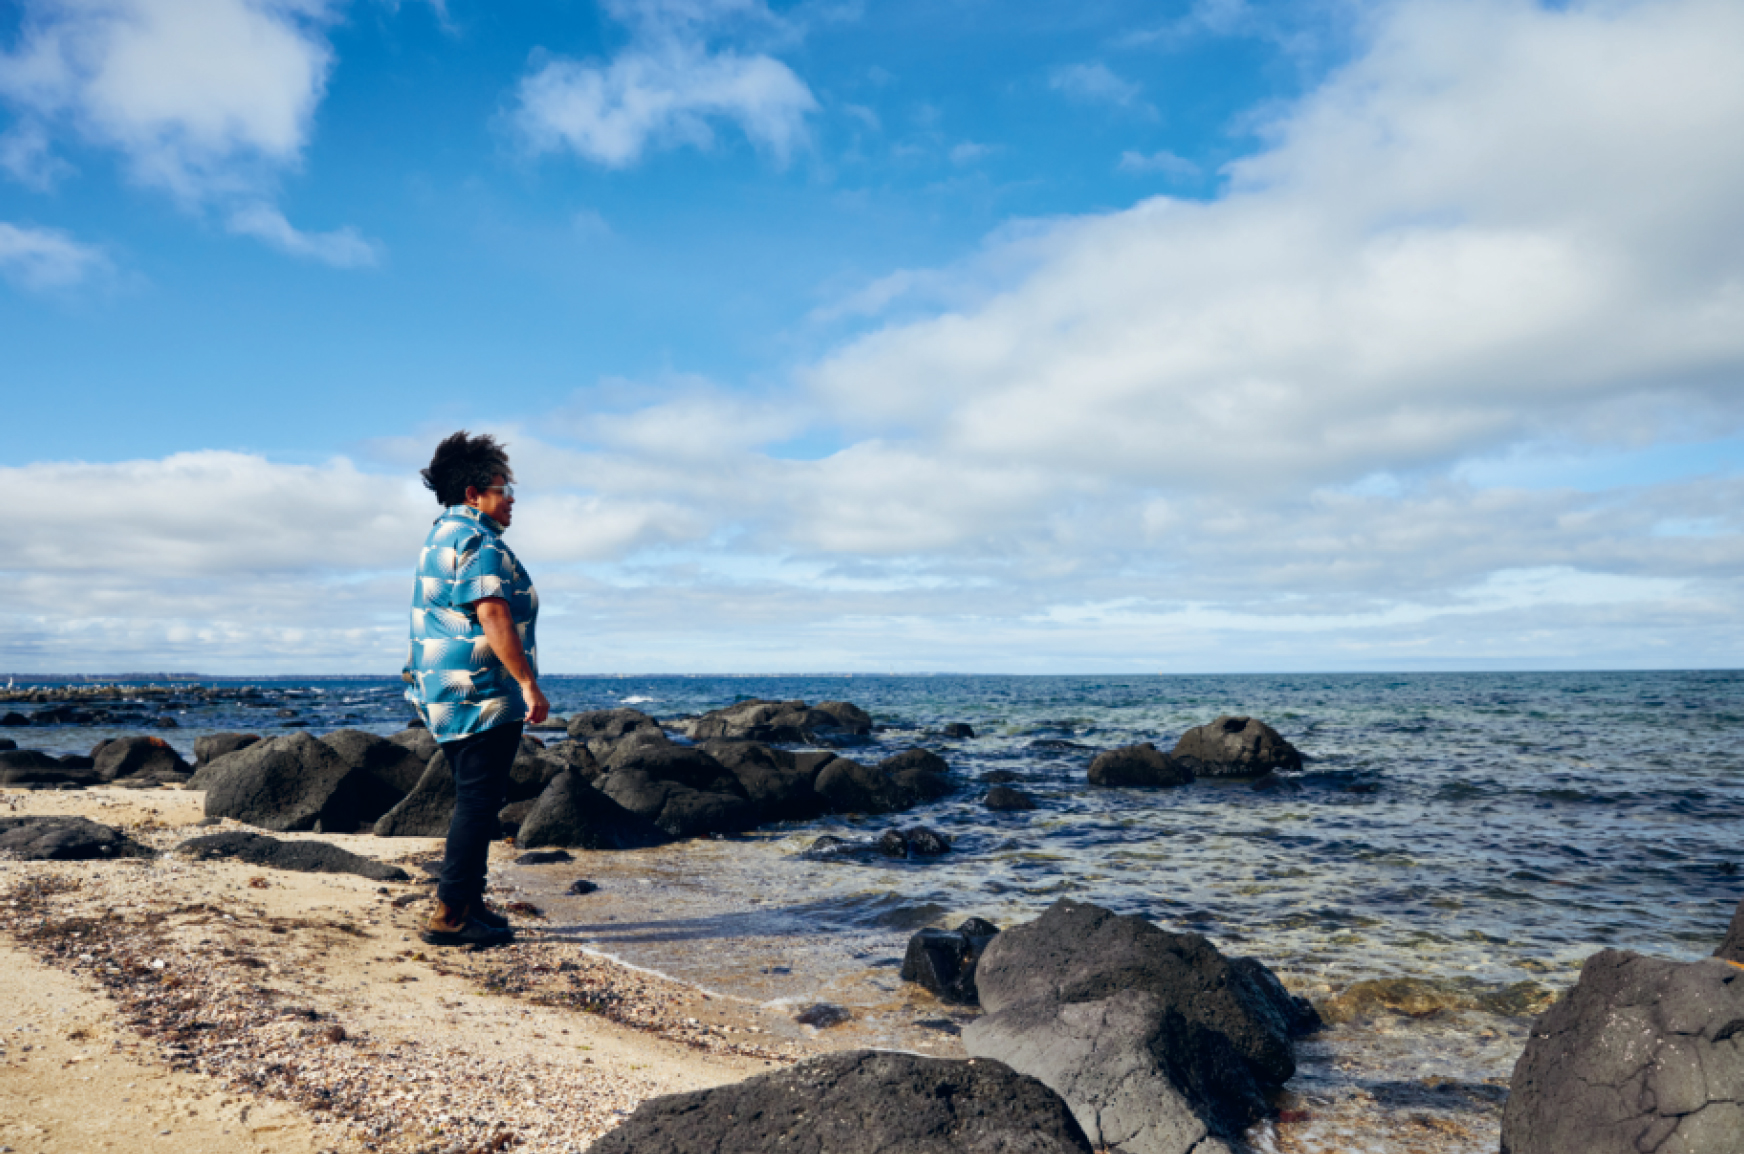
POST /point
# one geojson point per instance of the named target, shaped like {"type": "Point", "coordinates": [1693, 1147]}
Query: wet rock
{"type": "Point", "coordinates": [823, 1015]}
{"type": "Point", "coordinates": [580, 887]}
{"type": "Point", "coordinates": [681, 789]}
{"type": "Point", "coordinates": [59, 838]}
{"type": "Point", "coordinates": [287, 784]}
{"type": "Point", "coordinates": [141, 757]}
{"type": "Point", "coordinates": [1159, 1043]}
{"type": "Point", "coordinates": [920, 776]}
{"type": "Point", "coordinates": [6, 743]}
{"type": "Point", "coordinates": [1058, 745]}
{"type": "Point", "coordinates": [428, 809]}
{"type": "Point", "coordinates": [383, 771]}
{"type": "Point", "coordinates": [789, 722]}
{"type": "Point", "coordinates": [573, 814]}
{"type": "Point", "coordinates": [1236, 747]}
{"type": "Point", "coordinates": [545, 857]}
{"type": "Point", "coordinates": [780, 784]}
{"type": "Point", "coordinates": [1642, 1056]}
{"type": "Point", "coordinates": [858, 1102]}
{"type": "Point", "coordinates": [999, 777]}
{"type": "Point", "coordinates": [309, 857]}
{"type": "Point", "coordinates": [1138, 765]}
{"type": "Point", "coordinates": [1004, 799]}
{"type": "Point", "coordinates": [894, 784]}
{"type": "Point", "coordinates": [944, 961]}
{"type": "Point", "coordinates": [959, 729]}
{"type": "Point", "coordinates": [13, 718]}
{"type": "Point", "coordinates": [1732, 949]}
{"type": "Point", "coordinates": [916, 842]}
{"type": "Point", "coordinates": [210, 747]}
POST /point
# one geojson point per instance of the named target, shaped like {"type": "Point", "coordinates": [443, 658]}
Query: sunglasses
{"type": "Point", "coordinates": [505, 490]}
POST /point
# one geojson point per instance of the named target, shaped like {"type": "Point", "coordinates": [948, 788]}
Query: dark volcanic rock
{"type": "Point", "coordinates": [384, 771]}
{"type": "Point", "coordinates": [13, 718]}
{"type": "Point", "coordinates": [781, 721]}
{"type": "Point", "coordinates": [1236, 747]}
{"type": "Point", "coordinates": [29, 769]}
{"type": "Point", "coordinates": [511, 816]}
{"type": "Point", "coordinates": [581, 887]}
{"type": "Point", "coordinates": [533, 770]}
{"type": "Point", "coordinates": [141, 757]}
{"type": "Point", "coordinates": [418, 740]}
{"type": "Point", "coordinates": [6, 743]}
{"type": "Point", "coordinates": [1732, 949]}
{"type": "Point", "coordinates": [679, 788]}
{"type": "Point", "coordinates": [213, 746]}
{"type": "Point", "coordinates": [602, 730]}
{"type": "Point", "coordinates": [781, 785]}
{"type": "Point", "coordinates": [858, 1102]}
{"type": "Point", "coordinates": [574, 814]}
{"type": "Point", "coordinates": [944, 961]}
{"type": "Point", "coordinates": [1141, 764]}
{"type": "Point", "coordinates": [999, 777]}
{"type": "Point", "coordinates": [916, 842]}
{"type": "Point", "coordinates": [1156, 1040]}
{"type": "Point", "coordinates": [1642, 1056]}
{"type": "Point", "coordinates": [896, 783]}
{"type": "Point", "coordinates": [920, 776]}
{"type": "Point", "coordinates": [289, 783]}
{"type": "Point", "coordinates": [427, 810]}
{"type": "Point", "coordinates": [959, 729]}
{"type": "Point", "coordinates": [309, 857]}
{"type": "Point", "coordinates": [57, 838]}
{"type": "Point", "coordinates": [1007, 800]}
{"type": "Point", "coordinates": [545, 857]}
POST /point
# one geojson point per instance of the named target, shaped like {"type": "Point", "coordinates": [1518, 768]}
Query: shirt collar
{"type": "Point", "coordinates": [468, 513]}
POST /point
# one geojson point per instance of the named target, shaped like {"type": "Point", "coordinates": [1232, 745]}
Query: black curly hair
{"type": "Point", "coordinates": [462, 461]}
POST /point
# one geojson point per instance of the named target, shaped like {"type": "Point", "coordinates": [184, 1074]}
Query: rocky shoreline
{"type": "Point", "coordinates": [1150, 1042]}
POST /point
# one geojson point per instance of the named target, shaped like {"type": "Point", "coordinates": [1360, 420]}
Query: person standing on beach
{"type": "Point", "coordinates": [472, 669]}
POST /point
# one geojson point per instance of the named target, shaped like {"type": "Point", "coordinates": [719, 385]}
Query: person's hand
{"type": "Point", "coordinates": [538, 709]}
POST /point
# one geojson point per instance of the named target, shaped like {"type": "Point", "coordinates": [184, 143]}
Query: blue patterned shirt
{"type": "Point", "coordinates": [457, 684]}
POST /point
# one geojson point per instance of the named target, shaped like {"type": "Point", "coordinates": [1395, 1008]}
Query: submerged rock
{"type": "Point", "coordinates": [1004, 799]}
{"type": "Point", "coordinates": [858, 1102]}
{"type": "Point", "coordinates": [60, 838]}
{"type": "Point", "coordinates": [944, 961]}
{"type": "Point", "coordinates": [310, 857]}
{"type": "Point", "coordinates": [1139, 765]}
{"type": "Point", "coordinates": [1642, 1056]}
{"type": "Point", "coordinates": [1236, 747]}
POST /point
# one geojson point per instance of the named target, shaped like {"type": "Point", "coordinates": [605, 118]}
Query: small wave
{"type": "Point", "coordinates": [636, 699]}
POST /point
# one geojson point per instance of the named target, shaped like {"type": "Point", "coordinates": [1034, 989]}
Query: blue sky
{"type": "Point", "coordinates": [1023, 337]}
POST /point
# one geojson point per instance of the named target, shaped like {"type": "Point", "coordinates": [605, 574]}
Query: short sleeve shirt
{"type": "Point", "coordinates": [456, 683]}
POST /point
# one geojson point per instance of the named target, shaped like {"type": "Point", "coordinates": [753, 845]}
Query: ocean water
{"type": "Point", "coordinates": [1456, 845]}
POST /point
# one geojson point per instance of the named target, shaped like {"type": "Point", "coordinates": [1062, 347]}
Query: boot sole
{"type": "Point", "coordinates": [462, 938]}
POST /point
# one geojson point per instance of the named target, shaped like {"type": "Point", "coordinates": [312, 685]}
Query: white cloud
{"type": "Point", "coordinates": [1096, 83]}
{"type": "Point", "coordinates": [342, 248]}
{"type": "Point", "coordinates": [1170, 165]}
{"type": "Point", "coordinates": [1501, 221]}
{"type": "Point", "coordinates": [666, 89]}
{"type": "Point", "coordinates": [46, 258]}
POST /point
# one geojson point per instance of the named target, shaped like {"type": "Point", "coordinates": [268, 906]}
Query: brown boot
{"type": "Point", "coordinates": [456, 926]}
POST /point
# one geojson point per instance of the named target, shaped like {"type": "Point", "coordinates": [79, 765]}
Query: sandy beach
{"type": "Point", "coordinates": [167, 1003]}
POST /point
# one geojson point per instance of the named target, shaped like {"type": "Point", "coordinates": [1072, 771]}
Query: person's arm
{"type": "Point", "coordinates": [499, 629]}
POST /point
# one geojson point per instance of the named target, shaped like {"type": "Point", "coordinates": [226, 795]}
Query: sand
{"type": "Point", "coordinates": [186, 1005]}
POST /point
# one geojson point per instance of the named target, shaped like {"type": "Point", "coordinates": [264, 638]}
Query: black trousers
{"type": "Point", "coordinates": [480, 764]}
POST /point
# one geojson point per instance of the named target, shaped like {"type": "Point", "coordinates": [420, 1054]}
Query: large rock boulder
{"type": "Point", "coordinates": [1139, 765]}
{"type": "Point", "coordinates": [418, 740]}
{"type": "Point", "coordinates": [384, 771]}
{"type": "Point", "coordinates": [788, 722]}
{"type": "Point", "coordinates": [1236, 747]}
{"type": "Point", "coordinates": [58, 838]}
{"type": "Point", "coordinates": [894, 784]}
{"type": "Point", "coordinates": [1643, 1056]}
{"type": "Point", "coordinates": [782, 785]}
{"type": "Point", "coordinates": [30, 769]}
{"type": "Point", "coordinates": [574, 815]}
{"type": "Point", "coordinates": [601, 730]}
{"type": "Point", "coordinates": [427, 810]}
{"type": "Point", "coordinates": [858, 1102]}
{"type": "Point", "coordinates": [310, 857]}
{"type": "Point", "coordinates": [944, 961]}
{"type": "Point", "coordinates": [679, 788]}
{"type": "Point", "coordinates": [1159, 1043]}
{"type": "Point", "coordinates": [212, 746]}
{"type": "Point", "coordinates": [288, 784]}
{"type": "Point", "coordinates": [6, 743]}
{"type": "Point", "coordinates": [1732, 949]}
{"type": "Point", "coordinates": [141, 758]}
{"type": "Point", "coordinates": [533, 770]}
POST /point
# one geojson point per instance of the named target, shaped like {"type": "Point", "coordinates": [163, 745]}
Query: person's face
{"type": "Point", "coordinates": [494, 502]}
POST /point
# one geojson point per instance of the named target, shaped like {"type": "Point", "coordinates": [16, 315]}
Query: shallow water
{"type": "Point", "coordinates": [1478, 833]}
